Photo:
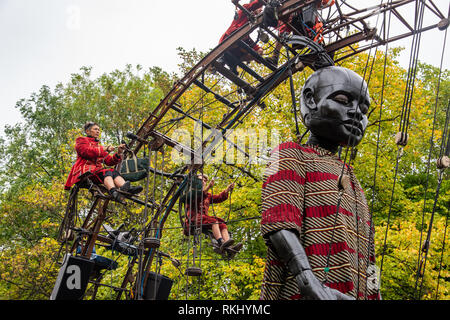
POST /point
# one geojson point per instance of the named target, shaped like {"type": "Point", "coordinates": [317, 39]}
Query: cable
{"type": "Point", "coordinates": [429, 160]}
{"type": "Point", "coordinates": [344, 165]}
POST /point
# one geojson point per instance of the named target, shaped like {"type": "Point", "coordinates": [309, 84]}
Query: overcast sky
{"type": "Point", "coordinates": [42, 42]}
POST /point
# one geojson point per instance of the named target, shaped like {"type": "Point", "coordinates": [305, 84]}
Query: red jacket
{"type": "Point", "coordinates": [242, 20]}
{"type": "Point", "coordinates": [90, 158]}
{"type": "Point", "coordinates": [198, 215]}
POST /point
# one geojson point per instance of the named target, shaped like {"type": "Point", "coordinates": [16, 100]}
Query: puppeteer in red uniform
{"type": "Point", "coordinates": [90, 158]}
{"type": "Point", "coordinates": [197, 215]}
{"type": "Point", "coordinates": [93, 157]}
{"type": "Point", "coordinates": [237, 53]}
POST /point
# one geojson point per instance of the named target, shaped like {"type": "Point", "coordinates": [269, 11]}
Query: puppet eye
{"type": "Point", "coordinates": [364, 108]}
{"type": "Point", "coordinates": [341, 98]}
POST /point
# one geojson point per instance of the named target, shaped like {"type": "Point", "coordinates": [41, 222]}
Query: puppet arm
{"type": "Point", "coordinates": [289, 249]}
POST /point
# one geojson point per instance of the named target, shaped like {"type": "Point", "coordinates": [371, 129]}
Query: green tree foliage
{"type": "Point", "coordinates": [38, 154]}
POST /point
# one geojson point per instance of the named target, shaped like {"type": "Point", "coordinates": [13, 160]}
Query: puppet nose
{"type": "Point", "coordinates": [355, 113]}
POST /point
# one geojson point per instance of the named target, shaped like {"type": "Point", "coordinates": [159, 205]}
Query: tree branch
{"type": "Point", "coordinates": [384, 120]}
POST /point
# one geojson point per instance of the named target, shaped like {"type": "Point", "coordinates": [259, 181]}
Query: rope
{"type": "Point", "coordinates": [371, 234]}
{"type": "Point", "coordinates": [140, 277]}
{"type": "Point", "coordinates": [429, 160]}
{"type": "Point", "coordinates": [406, 108]}
{"type": "Point", "coordinates": [390, 209]}
{"type": "Point", "coordinates": [294, 105]}
{"type": "Point", "coordinates": [327, 265]}
{"type": "Point", "coordinates": [442, 256]}
{"type": "Point", "coordinates": [426, 246]}
{"type": "Point", "coordinates": [201, 217]}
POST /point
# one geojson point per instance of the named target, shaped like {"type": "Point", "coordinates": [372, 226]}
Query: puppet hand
{"type": "Point", "coordinates": [313, 289]}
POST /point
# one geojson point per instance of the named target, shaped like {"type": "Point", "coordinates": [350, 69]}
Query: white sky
{"type": "Point", "coordinates": [42, 42]}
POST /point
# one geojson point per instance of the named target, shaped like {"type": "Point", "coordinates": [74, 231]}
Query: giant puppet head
{"type": "Point", "coordinates": [334, 104]}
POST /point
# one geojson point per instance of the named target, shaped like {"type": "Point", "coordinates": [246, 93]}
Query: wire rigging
{"type": "Point", "coordinates": [422, 248]}
{"type": "Point", "coordinates": [263, 87]}
{"type": "Point", "coordinates": [344, 166]}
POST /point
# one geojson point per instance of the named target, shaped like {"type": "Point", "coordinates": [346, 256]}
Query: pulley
{"type": "Point", "coordinates": [443, 24]}
{"type": "Point", "coordinates": [343, 182]}
{"type": "Point", "coordinates": [151, 243]}
{"type": "Point", "coordinates": [443, 162]}
{"type": "Point", "coordinates": [67, 236]}
{"type": "Point", "coordinates": [193, 272]}
{"type": "Point", "coordinates": [401, 139]}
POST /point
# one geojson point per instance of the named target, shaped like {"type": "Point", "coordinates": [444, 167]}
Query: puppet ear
{"type": "Point", "coordinates": [307, 104]}
{"type": "Point", "coordinates": [308, 99]}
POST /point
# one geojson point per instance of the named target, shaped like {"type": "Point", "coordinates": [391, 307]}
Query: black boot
{"type": "Point", "coordinates": [233, 250]}
{"type": "Point", "coordinates": [125, 187]}
{"type": "Point", "coordinates": [115, 195]}
{"type": "Point", "coordinates": [135, 189]}
{"type": "Point", "coordinates": [226, 244]}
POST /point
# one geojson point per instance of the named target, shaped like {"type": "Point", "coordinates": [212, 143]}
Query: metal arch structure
{"type": "Point", "coordinates": [358, 21]}
{"type": "Point", "coordinates": [346, 30]}
{"type": "Point", "coordinates": [353, 21]}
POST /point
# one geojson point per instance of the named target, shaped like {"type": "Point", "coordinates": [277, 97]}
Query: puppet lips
{"type": "Point", "coordinates": [354, 127]}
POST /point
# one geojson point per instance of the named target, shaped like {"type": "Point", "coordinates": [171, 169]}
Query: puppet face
{"type": "Point", "coordinates": [334, 105]}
